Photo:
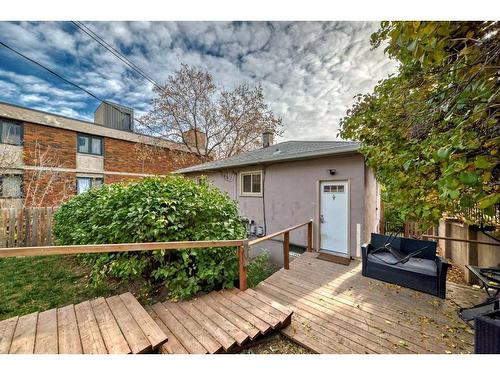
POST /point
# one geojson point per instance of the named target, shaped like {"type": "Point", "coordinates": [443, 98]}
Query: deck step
{"type": "Point", "coordinates": [118, 324]}
{"type": "Point", "coordinates": [218, 322]}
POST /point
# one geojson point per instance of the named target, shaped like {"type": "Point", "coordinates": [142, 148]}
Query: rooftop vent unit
{"type": "Point", "coordinates": [114, 116]}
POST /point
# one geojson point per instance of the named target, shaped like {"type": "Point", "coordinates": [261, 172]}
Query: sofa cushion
{"type": "Point", "coordinates": [416, 265]}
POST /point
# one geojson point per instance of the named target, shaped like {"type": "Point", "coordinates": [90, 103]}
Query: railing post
{"type": "Point", "coordinates": [310, 236]}
{"type": "Point", "coordinates": [243, 262]}
{"type": "Point", "coordinates": [286, 250]}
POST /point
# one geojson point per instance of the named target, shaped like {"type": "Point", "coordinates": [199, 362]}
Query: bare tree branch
{"type": "Point", "coordinates": [232, 120]}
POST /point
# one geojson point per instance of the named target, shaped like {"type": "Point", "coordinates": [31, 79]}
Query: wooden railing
{"type": "Point", "coordinates": [242, 245]}
{"type": "Point", "coordinates": [427, 236]}
{"type": "Point", "coordinates": [286, 240]}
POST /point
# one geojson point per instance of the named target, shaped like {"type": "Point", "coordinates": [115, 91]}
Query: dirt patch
{"type": "Point", "coordinates": [455, 274]}
{"type": "Point", "coordinates": [276, 344]}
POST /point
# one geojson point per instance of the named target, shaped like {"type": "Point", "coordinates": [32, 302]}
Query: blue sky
{"type": "Point", "coordinates": [310, 71]}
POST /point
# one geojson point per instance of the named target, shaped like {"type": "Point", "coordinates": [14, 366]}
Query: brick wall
{"type": "Point", "coordinates": [46, 146]}
{"type": "Point", "coordinates": [48, 188]}
{"type": "Point", "coordinates": [124, 156]}
{"type": "Point", "coordinates": [112, 178]}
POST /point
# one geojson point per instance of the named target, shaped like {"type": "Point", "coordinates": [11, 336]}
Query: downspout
{"type": "Point", "coordinates": [264, 198]}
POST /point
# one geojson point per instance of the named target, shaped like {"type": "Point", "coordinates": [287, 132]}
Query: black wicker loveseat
{"type": "Point", "coordinates": [407, 262]}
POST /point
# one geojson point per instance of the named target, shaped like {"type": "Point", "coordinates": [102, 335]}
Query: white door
{"type": "Point", "coordinates": [334, 224]}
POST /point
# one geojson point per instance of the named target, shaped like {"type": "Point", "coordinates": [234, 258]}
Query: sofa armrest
{"type": "Point", "coordinates": [442, 269]}
{"type": "Point", "coordinates": [365, 249]}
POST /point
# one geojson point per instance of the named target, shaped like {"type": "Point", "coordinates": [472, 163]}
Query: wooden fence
{"type": "Point", "coordinates": [412, 229]}
{"type": "Point", "coordinates": [26, 226]}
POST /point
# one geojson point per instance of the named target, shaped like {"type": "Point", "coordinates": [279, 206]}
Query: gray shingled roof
{"type": "Point", "coordinates": [291, 150]}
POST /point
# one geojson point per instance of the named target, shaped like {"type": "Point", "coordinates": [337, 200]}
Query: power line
{"type": "Point", "coordinates": [65, 79]}
{"type": "Point", "coordinates": [115, 52]}
{"type": "Point", "coordinates": [50, 71]}
{"type": "Point", "coordinates": [92, 34]}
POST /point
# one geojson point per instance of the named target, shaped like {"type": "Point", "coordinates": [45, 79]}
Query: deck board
{"type": "Point", "coordinates": [67, 331]}
{"type": "Point", "coordinates": [23, 341]}
{"type": "Point", "coordinates": [187, 340]}
{"type": "Point", "coordinates": [337, 310]}
{"type": "Point", "coordinates": [254, 309]}
{"type": "Point", "coordinates": [219, 322]}
{"type": "Point", "coordinates": [203, 337]}
{"type": "Point", "coordinates": [7, 328]}
{"type": "Point", "coordinates": [150, 329]}
{"type": "Point", "coordinates": [394, 323]}
{"type": "Point", "coordinates": [172, 345]}
{"type": "Point", "coordinates": [92, 341]}
{"type": "Point", "coordinates": [110, 331]}
{"type": "Point", "coordinates": [237, 334]}
{"type": "Point", "coordinates": [219, 305]}
{"type": "Point", "coordinates": [326, 307]}
{"type": "Point", "coordinates": [113, 325]}
{"type": "Point", "coordinates": [208, 325]}
{"type": "Point", "coordinates": [136, 339]}
{"type": "Point", "coordinates": [46, 335]}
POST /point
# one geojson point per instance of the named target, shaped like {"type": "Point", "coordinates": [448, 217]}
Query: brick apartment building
{"type": "Point", "coordinates": [46, 158]}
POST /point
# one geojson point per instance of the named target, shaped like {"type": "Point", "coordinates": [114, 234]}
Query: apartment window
{"type": "Point", "coordinates": [11, 186]}
{"type": "Point", "coordinates": [11, 132]}
{"type": "Point", "coordinates": [89, 144]}
{"type": "Point", "coordinates": [251, 183]}
{"type": "Point", "coordinates": [85, 183]}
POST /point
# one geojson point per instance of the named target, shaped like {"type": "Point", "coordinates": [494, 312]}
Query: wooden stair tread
{"type": "Point", "coordinates": [203, 337]}
{"type": "Point", "coordinates": [187, 340]}
{"type": "Point", "coordinates": [118, 324]}
{"type": "Point", "coordinates": [23, 340]}
{"type": "Point", "coordinates": [172, 345]}
{"type": "Point", "coordinates": [208, 325]}
{"type": "Point", "coordinates": [111, 334]}
{"type": "Point", "coordinates": [226, 318]}
{"type": "Point", "coordinates": [222, 309]}
{"type": "Point", "coordinates": [254, 309]}
{"type": "Point", "coordinates": [150, 329]}
{"type": "Point", "coordinates": [92, 341]}
{"type": "Point", "coordinates": [220, 321]}
{"type": "Point", "coordinates": [46, 333]}
{"type": "Point", "coordinates": [237, 334]}
{"type": "Point", "coordinates": [261, 326]}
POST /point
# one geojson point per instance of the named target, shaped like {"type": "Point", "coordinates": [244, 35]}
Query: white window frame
{"type": "Point", "coordinates": [250, 194]}
{"type": "Point", "coordinates": [91, 180]}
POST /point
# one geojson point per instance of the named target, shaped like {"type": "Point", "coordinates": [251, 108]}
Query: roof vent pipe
{"type": "Point", "coordinates": [267, 139]}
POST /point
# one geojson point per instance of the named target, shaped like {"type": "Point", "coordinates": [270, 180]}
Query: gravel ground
{"type": "Point", "coordinates": [277, 344]}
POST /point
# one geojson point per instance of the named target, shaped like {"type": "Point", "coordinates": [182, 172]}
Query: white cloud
{"type": "Point", "coordinates": [310, 71]}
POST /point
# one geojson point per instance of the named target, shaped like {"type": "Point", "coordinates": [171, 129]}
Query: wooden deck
{"type": "Point", "coordinates": [326, 307]}
{"type": "Point", "coordinates": [337, 310]}
{"type": "Point", "coordinates": [218, 322]}
{"type": "Point", "coordinates": [114, 325]}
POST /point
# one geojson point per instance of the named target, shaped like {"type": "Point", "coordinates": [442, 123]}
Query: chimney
{"type": "Point", "coordinates": [267, 139]}
{"type": "Point", "coordinates": [193, 137]}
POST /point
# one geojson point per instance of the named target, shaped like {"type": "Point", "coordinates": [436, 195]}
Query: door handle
{"type": "Point", "coordinates": [321, 219]}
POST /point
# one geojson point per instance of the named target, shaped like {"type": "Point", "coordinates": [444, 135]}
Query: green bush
{"type": "Point", "coordinates": [155, 210]}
